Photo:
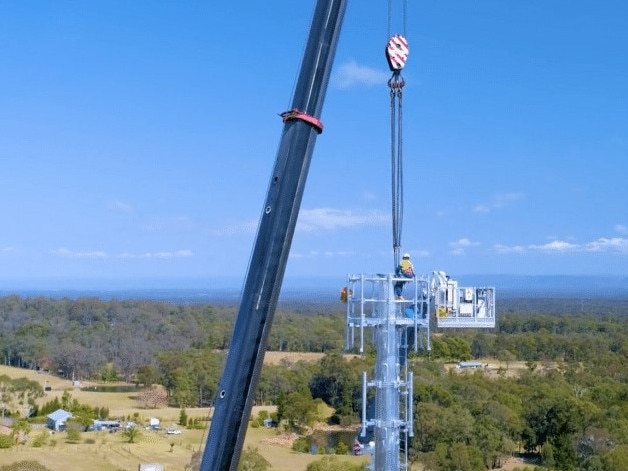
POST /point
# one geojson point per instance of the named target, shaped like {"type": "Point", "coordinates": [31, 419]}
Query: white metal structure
{"type": "Point", "coordinates": [397, 325]}
{"type": "Point", "coordinates": [462, 307]}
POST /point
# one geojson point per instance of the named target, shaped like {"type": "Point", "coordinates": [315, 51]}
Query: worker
{"type": "Point", "coordinates": [405, 270]}
{"type": "Point", "coordinates": [344, 294]}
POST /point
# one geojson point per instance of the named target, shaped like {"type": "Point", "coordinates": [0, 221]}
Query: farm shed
{"type": "Point", "coordinates": [57, 419]}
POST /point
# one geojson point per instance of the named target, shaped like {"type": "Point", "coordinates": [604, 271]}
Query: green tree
{"type": "Point", "coordinates": [459, 348]}
{"type": "Point", "coordinates": [465, 458]}
{"type": "Point", "coordinates": [337, 384]}
{"type": "Point", "coordinates": [19, 394]}
{"type": "Point", "coordinates": [50, 406]}
{"type": "Point", "coordinates": [109, 374]}
{"type": "Point", "coordinates": [489, 438]}
{"type": "Point", "coordinates": [300, 410]}
{"type": "Point", "coordinates": [184, 393]}
{"type": "Point", "coordinates": [21, 429]}
{"type": "Point", "coordinates": [281, 379]}
{"type": "Point", "coordinates": [183, 418]}
{"type": "Point", "coordinates": [252, 460]}
{"type": "Point", "coordinates": [6, 441]}
{"type": "Point", "coordinates": [442, 425]}
{"type": "Point", "coordinates": [281, 406]}
{"type": "Point", "coordinates": [341, 448]}
{"type": "Point", "coordinates": [429, 461]}
{"type": "Point", "coordinates": [440, 348]}
{"type": "Point", "coordinates": [616, 459]}
{"type": "Point", "coordinates": [593, 463]}
{"type": "Point", "coordinates": [41, 439]}
{"type": "Point", "coordinates": [191, 377]}
{"type": "Point", "coordinates": [146, 375]}
{"type": "Point", "coordinates": [547, 455]}
{"type": "Point", "coordinates": [555, 419]}
{"type": "Point", "coordinates": [131, 434]}
{"type": "Point", "coordinates": [73, 436]}
{"type": "Point", "coordinates": [505, 356]}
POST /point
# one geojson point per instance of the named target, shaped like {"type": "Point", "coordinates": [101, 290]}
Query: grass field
{"type": "Point", "coordinates": [104, 451]}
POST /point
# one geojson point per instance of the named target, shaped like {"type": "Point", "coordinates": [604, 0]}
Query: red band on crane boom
{"type": "Point", "coordinates": [296, 114]}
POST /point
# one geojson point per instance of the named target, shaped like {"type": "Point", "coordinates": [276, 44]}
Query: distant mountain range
{"type": "Point", "coordinates": [541, 286]}
{"type": "Point", "coordinates": [321, 289]}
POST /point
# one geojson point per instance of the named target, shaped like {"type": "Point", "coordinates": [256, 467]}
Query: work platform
{"type": "Point", "coordinates": [435, 301]}
{"type": "Point", "coordinates": [371, 303]}
{"type": "Point", "coordinates": [461, 307]}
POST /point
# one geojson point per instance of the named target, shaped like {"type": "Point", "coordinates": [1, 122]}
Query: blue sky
{"type": "Point", "coordinates": [137, 138]}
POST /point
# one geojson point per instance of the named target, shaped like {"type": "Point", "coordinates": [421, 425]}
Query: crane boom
{"type": "Point", "coordinates": [272, 244]}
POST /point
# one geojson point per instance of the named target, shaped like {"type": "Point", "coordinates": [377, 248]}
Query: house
{"type": "Point", "coordinates": [57, 419]}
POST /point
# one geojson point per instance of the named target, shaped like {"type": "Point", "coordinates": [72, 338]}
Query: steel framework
{"type": "Point", "coordinates": [397, 326]}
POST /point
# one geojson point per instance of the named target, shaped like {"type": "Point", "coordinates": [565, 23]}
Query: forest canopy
{"type": "Point", "coordinates": [567, 405]}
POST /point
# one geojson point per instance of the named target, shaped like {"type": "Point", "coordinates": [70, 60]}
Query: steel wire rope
{"type": "Point", "coordinates": [396, 157]}
{"type": "Point", "coordinates": [396, 84]}
{"type": "Point", "coordinates": [393, 165]}
{"type": "Point", "coordinates": [404, 16]}
{"type": "Point", "coordinates": [400, 194]}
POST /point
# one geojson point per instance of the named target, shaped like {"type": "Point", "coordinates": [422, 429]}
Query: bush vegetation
{"type": "Point", "coordinates": [566, 406]}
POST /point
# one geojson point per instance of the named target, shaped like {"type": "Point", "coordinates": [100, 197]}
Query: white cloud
{"type": "Point", "coordinates": [498, 202]}
{"type": "Point", "coordinates": [235, 228]}
{"type": "Point", "coordinates": [330, 219]}
{"type": "Point", "coordinates": [118, 205]}
{"type": "Point", "coordinates": [621, 228]}
{"type": "Point", "coordinates": [616, 244]}
{"type": "Point", "coordinates": [351, 74]}
{"type": "Point", "coordinates": [505, 249]}
{"type": "Point", "coordinates": [464, 242]}
{"type": "Point", "coordinates": [600, 245]}
{"type": "Point", "coordinates": [459, 246]}
{"type": "Point", "coordinates": [556, 246]}
{"type": "Point", "coordinates": [64, 252]}
{"type": "Point", "coordinates": [322, 254]}
{"type": "Point", "coordinates": [368, 196]}
{"type": "Point", "coordinates": [177, 254]}
{"type": "Point", "coordinates": [7, 250]}
{"type": "Point", "coordinates": [162, 255]}
{"type": "Point", "coordinates": [170, 224]}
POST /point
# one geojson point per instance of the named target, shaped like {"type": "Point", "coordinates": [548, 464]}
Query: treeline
{"type": "Point", "coordinates": [88, 338]}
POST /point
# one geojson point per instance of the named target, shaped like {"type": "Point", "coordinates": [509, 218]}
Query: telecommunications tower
{"type": "Point", "coordinates": [399, 323]}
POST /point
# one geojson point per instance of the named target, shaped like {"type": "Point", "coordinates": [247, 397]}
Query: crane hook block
{"type": "Point", "coordinates": [397, 52]}
{"type": "Point", "coordinates": [296, 114]}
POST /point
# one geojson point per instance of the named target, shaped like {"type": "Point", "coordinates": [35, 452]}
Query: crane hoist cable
{"type": "Point", "coordinates": [404, 14]}
{"type": "Point", "coordinates": [397, 54]}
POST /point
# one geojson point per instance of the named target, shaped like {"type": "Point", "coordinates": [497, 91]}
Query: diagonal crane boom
{"type": "Point", "coordinates": [272, 244]}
